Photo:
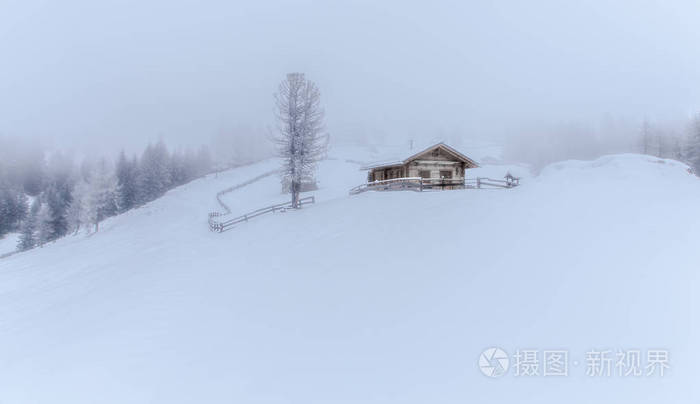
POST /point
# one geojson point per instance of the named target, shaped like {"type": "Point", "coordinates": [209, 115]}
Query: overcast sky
{"type": "Point", "coordinates": [121, 73]}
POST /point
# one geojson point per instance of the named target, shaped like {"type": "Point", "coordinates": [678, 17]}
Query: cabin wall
{"type": "Point", "coordinates": [435, 167]}
{"type": "Point", "coordinates": [386, 173]}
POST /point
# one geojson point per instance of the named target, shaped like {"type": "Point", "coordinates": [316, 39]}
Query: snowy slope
{"type": "Point", "coordinates": [376, 298]}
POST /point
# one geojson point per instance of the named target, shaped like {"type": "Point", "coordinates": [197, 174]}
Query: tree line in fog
{"type": "Point", "coordinates": [47, 197]}
{"type": "Point", "coordinates": [677, 139]}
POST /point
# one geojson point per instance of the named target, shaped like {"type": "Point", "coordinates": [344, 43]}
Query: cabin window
{"type": "Point", "coordinates": [436, 152]}
{"type": "Point", "coordinates": [424, 174]}
{"type": "Point", "coordinates": [446, 174]}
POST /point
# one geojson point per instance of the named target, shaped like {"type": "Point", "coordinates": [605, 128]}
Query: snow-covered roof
{"type": "Point", "coordinates": [399, 161]}
{"type": "Point", "coordinates": [382, 164]}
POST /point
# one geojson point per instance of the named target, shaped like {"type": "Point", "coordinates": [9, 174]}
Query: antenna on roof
{"type": "Point", "coordinates": [411, 145]}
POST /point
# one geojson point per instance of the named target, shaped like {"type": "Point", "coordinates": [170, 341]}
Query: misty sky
{"type": "Point", "coordinates": [121, 73]}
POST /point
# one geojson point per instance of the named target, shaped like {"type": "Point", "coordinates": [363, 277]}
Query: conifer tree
{"type": "Point", "coordinates": [27, 239]}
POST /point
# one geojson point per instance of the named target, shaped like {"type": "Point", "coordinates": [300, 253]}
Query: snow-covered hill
{"type": "Point", "coordinates": [376, 298]}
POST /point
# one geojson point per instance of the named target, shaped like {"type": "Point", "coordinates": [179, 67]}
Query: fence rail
{"type": "Point", "coordinates": [218, 225]}
{"type": "Point", "coordinates": [420, 184]}
{"type": "Point", "coordinates": [480, 182]}
{"type": "Point", "coordinates": [408, 183]}
{"type": "Point", "coordinates": [226, 225]}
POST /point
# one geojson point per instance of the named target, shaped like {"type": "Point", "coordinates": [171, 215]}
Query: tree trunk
{"type": "Point", "coordinates": [295, 194]}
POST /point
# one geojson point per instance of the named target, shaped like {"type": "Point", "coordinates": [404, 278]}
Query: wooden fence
{"type": "Point", "coordinates": [484, 182]}
{"type": "Point", "coordinates": [396, 184]}
{"type": "Point", "coordinates": [217, 225]}
{"type": "Point", "coordinates": [421, 184]}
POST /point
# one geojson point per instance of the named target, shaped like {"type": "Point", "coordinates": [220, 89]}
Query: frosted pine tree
{"type": "Point", "coordinates": [13, 209]}
{"type": "Point", "coordinates": [300, 142]}
{"type": "Point", "coordinates": [154, 172]}
{"type": "Point", "coordinates": [44, 225]}
{"type": "Point", "coordinates": [646, 137]}
{"type": "Point", "coordinates": [126, 173]}
{"type": "Point", "coordinates": [58, 194]}
{"type": "Point", "coordinates": [101, 196]}
{"type": "Point", "coordinates": [27, 238]}
{"type": "Point", "coordinates": [5, 211]}
{"type": "Point", "coordinates": [692, 149]}
{"type": "Point", "coordinates": [76, 209]}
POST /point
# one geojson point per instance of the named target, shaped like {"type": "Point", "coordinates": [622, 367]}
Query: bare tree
{"type": "Point", "coordinates": [301, 142]}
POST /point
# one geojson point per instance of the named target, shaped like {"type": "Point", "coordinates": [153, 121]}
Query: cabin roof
{"type": "Point", "coordinates": [393, 163]}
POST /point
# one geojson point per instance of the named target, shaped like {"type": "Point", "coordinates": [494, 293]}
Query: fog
{"type": "Point", "coordinates": [106, 75]}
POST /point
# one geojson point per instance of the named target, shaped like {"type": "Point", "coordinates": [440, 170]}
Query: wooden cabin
{"type": "Point", "coordinates": [438, 166]}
